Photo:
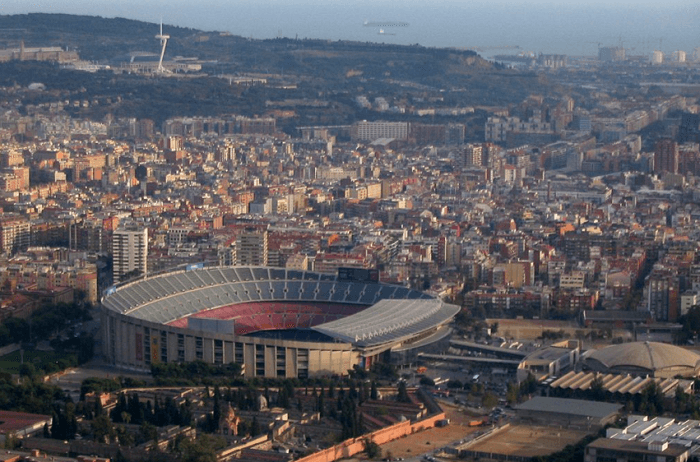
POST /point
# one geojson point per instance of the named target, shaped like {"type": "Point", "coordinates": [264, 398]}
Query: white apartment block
{"type": "Point", "coordinates": [129, 252]}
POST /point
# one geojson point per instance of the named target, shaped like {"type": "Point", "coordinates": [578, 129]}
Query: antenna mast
{"type": "Point", "coordinates": [164, 42]}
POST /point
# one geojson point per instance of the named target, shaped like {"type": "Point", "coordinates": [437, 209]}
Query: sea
{"type": "Point", "coordinates": [499, 27]}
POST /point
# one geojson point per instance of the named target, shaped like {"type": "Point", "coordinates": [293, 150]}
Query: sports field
{"type": "Point", "coordinates": [528, 441]}
{"type": "Point", "coordinates": [531, 329]}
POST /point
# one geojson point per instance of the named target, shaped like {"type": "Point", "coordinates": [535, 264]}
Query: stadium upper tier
{"type": "Point", "coordinates": [389, 321]}
{"type": "Point", "coordinates": [173, 296]}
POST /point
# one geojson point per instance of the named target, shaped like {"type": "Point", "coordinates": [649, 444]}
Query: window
{"type": "Point", "coordinates": [180, 348]}
{"type": "Point", "coordinates": [147, 345]}
{"type": "Point", "coordinates": [238, 353]}
{"type": "Point", "coordinates": [218, 352]}
{"type": "Point", "coordinates": [164, 347]}
{"type": "Point", "coordinates": [259, 360]}
{"type": "Point", "coordinates": [302, 363]}
{"type": "Point", "coordinates": [198, 348]}
{"type": "Point", "coordinates": [281, 362]}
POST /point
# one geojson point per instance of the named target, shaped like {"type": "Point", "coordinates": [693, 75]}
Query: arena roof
{"type": "Point", "coordinates": [389, 320]}
{"type": "Point", "coordinates": [644, 358]}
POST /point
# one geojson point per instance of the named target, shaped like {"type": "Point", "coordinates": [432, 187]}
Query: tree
{"type": "Point", "coordinates": [27, 370]}
{"type": "Point", "coordinates": [320, 405]}
{"type": "Point", "coordinates": [64, 424]}
{"type": "Point", "coordinates": [681, 401]}
{"type": "Point", "coordinates": [148, 432]}
{"type": "Point", "coordinates": [513, 393]}
{"type": "Point", "coordinates": [691, 321]}
{"type": "Point", "coordinates": [454, 383]}
{"type": "Point", "coordinates": [11, 441]}
{"type": "Point", "coordinates": [652, 400]}
{"type": "Point", "coordinates": [402, 393]}
{"type": "Point", "coordinates": [372, 449]}
{"type": "Point", "coordinates": [254, 427]}
{"type": "Point", "coordinates": [124, 437]}
{"type": "Point", "coordinates": [283, 398]}
{"type": "Point", "coordinates": [202, 449]}
{"type": "Point", "coordinates": [597, 390]}
{"type": "Point", "coordinates": [489, 400]}
{"type": "Point", "coordinates": [102, 429]}
{"type": "Point", "coordinates": [528, 386]}
{"type": "Point", "coordinates": [216, 417]}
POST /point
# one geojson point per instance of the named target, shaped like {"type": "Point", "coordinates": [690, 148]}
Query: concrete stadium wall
{"type": "Point", "coordinates": [125, 346]}
{"type": "Point", "coordinates": [354, 446]}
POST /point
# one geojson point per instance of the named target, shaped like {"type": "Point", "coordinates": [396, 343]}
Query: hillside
{"type": "Point", "coordinates": [331, 71]}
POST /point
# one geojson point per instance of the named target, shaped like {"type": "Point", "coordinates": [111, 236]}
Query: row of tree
{"type": "Point", "coordinates": [43, 323]}
{"type": "Point", "coordinates": [130, 409]}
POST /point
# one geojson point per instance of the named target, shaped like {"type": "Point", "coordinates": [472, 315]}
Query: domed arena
{"type": "Point", "coordinates": [644, 358]}
{"type": "Point", "coordinates": [273, 321]}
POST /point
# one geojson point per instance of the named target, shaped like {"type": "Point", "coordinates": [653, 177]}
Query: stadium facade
{"type": "Point", "coordinates": [275, 322]}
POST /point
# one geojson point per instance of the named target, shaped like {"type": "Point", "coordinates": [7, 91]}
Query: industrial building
{"type": "Point", "coordinates": [542, 410]}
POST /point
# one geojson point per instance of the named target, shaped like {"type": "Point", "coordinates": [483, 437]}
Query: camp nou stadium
{"type": "Point", "coordinates": [275, 322]}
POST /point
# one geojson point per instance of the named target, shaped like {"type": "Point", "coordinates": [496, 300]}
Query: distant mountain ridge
{"type": "Point", "coordinates": [333, 72]}
{"type": "Point", "coordinates": [100, 39]}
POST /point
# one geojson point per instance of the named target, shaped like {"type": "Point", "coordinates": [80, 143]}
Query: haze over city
{"type": "Point", "coordinates": [312, 230]}
{"type": "Point", "coordinates": [536, 26]}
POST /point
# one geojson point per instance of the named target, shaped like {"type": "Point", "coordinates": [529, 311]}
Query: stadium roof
{"type": "Point", "coordinates": [389, 321]}
{"type": "Point", "coordinates": [166, 298]}
{"type": "Point", "coordinates": [393, 313]}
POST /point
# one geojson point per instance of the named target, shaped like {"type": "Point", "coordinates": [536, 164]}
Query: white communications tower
{"type": "Point", "coordinates": [164, 42]}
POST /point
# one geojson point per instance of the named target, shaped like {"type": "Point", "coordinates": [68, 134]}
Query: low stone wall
{"type": "Point", "coordinates": [489, 433]}
{"type": "Point", "coordinates": [354, 446]}
{"type": "Point", "coordinates": [232, 452]}
{"type": "Point", "coordinates": [55, 375]}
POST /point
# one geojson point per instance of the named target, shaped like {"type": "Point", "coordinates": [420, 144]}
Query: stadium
{"type": "Point", "coordinates": [273, 321]}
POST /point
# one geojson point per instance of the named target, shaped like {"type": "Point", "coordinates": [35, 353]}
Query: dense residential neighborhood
{"type": "Point", "coordinates": [316, 251]}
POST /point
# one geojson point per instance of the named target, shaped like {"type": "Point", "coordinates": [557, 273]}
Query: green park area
{"type": "Point", "coordinates": [47, 361]}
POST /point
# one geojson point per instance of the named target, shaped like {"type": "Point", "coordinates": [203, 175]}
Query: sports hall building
{"type": "Point", "coordinates": [275, 322]}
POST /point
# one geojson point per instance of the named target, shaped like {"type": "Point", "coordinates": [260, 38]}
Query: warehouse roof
{"type": "Point", "coordinates": [577, 407]}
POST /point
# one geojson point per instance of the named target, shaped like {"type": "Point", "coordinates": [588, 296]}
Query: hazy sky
{"type": "Point", "coordinates": [537, 25]}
